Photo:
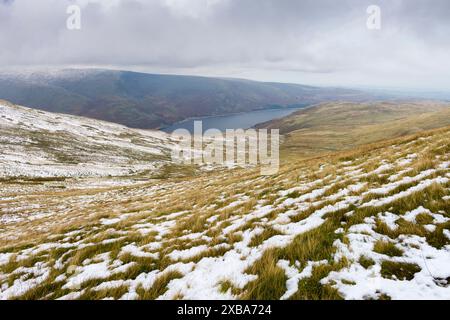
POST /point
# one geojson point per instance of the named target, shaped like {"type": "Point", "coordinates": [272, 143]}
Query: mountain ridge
{"type": "Point", "coordinates": [149, 101]}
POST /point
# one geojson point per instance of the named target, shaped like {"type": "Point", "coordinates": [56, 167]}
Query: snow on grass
{"type": "Point", "coordinates": [5, 258]}
{"type": "Point", "coordinates": [294, 275]}
{"type": "Point", "coordinates": [138, 252]}
{"type": "Point", "coordinates": [242, 199]}
{"type": "Point", "coordinates": [357, 186]}
{"type": "Point", "coordinates": [358, 282]}
{"type": "Point", "coordinates": [187, 253]}
{"type": "Point", "coordinates": [88, 272]}
{"type": "Point", "coordinates": [40, 272]}
{"type": "Point", "coordinates": [303, 187]}
{"type": "Point", "coordinates": [43, 144]}
{"type": "Point", "coordinates": [146, 280]}
{"type": "Point", "coordinates": [385, 189]}
{"type": "Point", "coordinates": [446, 233]}
{"type": "Point", "coordinates": [389, 218]}
{"type": "Point", "coordinates": [137, 241]}
{"type": "Point", "coordinates": [307, 196]}
{"type": "Point", "coordinates": [72, 295]}
{"type": "Point", "coordinates": [407, 160]}
{"type": "Point", "coordinates": [172, 216]}
{"type": "Point", "coordinates": [195, 236]}
{"type": "Point", "coordinates": [161, 228]}
{"type": "Point", "coordinates": [430, 227]}
{"type": "Point", "coordinates": [400, 173]}
{"type": "Point", "coordinates": [110, 221]}
{"type": "Point", "coordinates": [259, 213]}
{"type": "Point", "coordinates": [315, 219]}
{"type": "Point", "coordinates": [419, 187]}
{"type": "Point", "coordinates": [437, 218]}
{"type": "Point", "coordinates": [382, 168]}
{"type": "Point", "coordinates": [444, 165]}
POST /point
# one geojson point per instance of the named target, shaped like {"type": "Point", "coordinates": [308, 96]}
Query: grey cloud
{"type": "Point", "coordinates": [321, 41]}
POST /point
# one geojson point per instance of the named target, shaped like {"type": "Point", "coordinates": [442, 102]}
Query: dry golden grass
{"type": "Point", "coordinates": [337, 126]}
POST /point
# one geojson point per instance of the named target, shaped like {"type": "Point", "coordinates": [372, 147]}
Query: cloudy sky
{"type": "Point", "coordinates": [322, 42]}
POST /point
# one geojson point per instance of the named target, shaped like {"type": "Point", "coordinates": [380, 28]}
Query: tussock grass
{"type": "Point", "coordinates": [366, 262]}
{"type": "Point", "coordinates": [266, 234]}
{"type": "Point", "coordinates": [387, 248]}
{"type": "Point", "coordinates": [227, 286]}
{"type": "Point", "coordinates": [311, 288]}
{"type": "Point", "coordinates": [437, 238]}
{"type": "Point", "coordinates": [424, 218]}
{"type": "Point", "coordinates": [271, 282]}
{"type": "Point", "coordinates": [404, 227]}
{"type": "Point", "coordinates": [159, 287]}
{"type": "Point", "coordinates": [399, 270]}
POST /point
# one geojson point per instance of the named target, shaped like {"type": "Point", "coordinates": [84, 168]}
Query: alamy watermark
{"type": "Point", "coordinates": [235, 147]}
{"type": "Point", "coordinates": [73, 22]}
{"type": "Point", "coordinates": [374, 17]}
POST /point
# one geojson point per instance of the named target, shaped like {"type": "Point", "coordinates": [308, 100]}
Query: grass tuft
{"type": "Point", "coordinates": [387, 248]}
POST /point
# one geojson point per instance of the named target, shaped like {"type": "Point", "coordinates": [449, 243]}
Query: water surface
{"type": "Point", "coordinates": [242, 120]}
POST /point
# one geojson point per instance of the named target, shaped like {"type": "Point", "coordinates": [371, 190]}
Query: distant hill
{"type": "Point", "coordinates": [38, 144]}
{"type": "Point", "coordinates": [338, 126]}
{"type": "Point", "coordinates": [142, 100]}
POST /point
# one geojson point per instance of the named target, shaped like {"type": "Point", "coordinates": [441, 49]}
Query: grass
{"type": "Point", "coordinates": [114, 293]}
{"type": "Point", "coordinates": [159, 287]}
{"type": "Point", "coordinates": [314, 245]}
{"type": "Point", "coordinates": [387, 248]}
{"type": "Point", "coordinates": [399, 270]}
{"type": "Point", "coordinates": [366, 262]}
{"type": "Point", "coordinates": [424, 218]}
{"type": "Point", "coordinates": [227, 286]}
{"type": "Point", "coordinates": [271, 282]}
{"type": "Point", "coordinates": [311, 288]}
{"type": "Point", "coordinates": [266, 234]}
{"type": "Point", "coordinates": [437, 238]}
{"type": "Point", "coordinates": [404, 227]}
{"type": "Point", "coordinates": [48, 288]}
{"type": "Point", "coordinates": [336, 126]}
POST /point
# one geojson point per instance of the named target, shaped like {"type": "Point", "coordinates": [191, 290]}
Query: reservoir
{"type": "Point", "coordinates": [242, 120]}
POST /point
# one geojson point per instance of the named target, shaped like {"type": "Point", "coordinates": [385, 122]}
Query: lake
{"type": "Point", "coordinates": [242, 120]}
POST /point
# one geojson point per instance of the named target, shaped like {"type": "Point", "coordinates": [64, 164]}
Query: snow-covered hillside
{"type": "Point", "coordinates": [373, 223]}
{"type": "Point", "coordinates": [42, 144]}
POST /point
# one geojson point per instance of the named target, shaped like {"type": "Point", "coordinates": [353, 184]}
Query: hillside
{"type": "Point", "coordinates": [372, 223]}
{"type": "Point", "coordinates": [142, 100]}
{"type": "Point", "coordinates": [43, 145]}
{"type": "Point", "coordinates": [336, 126]}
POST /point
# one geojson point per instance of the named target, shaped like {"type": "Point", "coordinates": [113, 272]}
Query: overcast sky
{"type": "Point", "coordinates": [324, 42]}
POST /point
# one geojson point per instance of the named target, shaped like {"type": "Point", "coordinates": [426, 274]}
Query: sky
{"type": "Point", "coordinates": [317, 42]}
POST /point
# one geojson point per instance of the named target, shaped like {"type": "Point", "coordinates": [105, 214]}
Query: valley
{"type": "Point", "coordinates": [150, 101]}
